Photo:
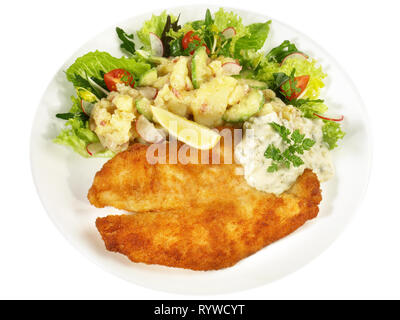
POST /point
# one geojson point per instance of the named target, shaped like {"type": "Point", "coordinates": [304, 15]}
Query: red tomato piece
{"type": "Point", "coordinates": [189, 37]}
{"type": "Point", "coordinates": [293, 89]}
{"type": "Point", "coordinates": [118, 76]}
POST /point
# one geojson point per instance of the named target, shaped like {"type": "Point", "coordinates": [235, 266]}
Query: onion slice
{"type": "Point", "coordinates": [157, 47]}
{"type": "Point", "coordinates": [337, 118]}
{"type": "Point", "coordinates": [147, 131]}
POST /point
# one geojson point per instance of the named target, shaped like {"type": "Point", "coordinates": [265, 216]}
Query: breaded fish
{"type": "Point", "coordinates": [129, 182]}
{"type": "Point", "coordinates": [216, 234]}
{"type": "Point", "coordinates": [195, 216]}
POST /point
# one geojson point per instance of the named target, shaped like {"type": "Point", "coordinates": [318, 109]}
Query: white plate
{"type": "Point", "coordinates": [63, 178]}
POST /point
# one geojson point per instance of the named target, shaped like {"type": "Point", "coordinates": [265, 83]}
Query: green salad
{"type": "Point", "coordinates": [113, 92]}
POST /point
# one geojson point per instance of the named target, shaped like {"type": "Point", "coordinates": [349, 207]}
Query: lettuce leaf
{"type": "Point", "coordinates": [77, 134]}
{"type": "Point", "coordinates": [156, 25]}
{"type": "Point", "coordinates": [95, 64]}
{"type": "Point", "coordinates": [257, 34]}
{"type": "Point", "coordinates": [331, 133]}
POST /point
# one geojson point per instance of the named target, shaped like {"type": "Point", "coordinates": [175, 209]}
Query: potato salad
{"type": "Point", "coordinates": [206, 74]}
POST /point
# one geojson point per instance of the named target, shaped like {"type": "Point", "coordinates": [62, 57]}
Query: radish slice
{"type": "Point", "coordinates": [330, 118]}
{"type": "Point", "coordinates": [97, 87]}
{"type": "Point", "coordinates": [94, 148]}
{"type": "Point", "coordinates": [86, 107]}
{"type": "Point", "coordinates": [231, 68]}
{"type": "Point", "coordinates": [229, 32]}
{"type": "Point", "coordinates": [296, 55]}
{"type": "Point", "coordinates": [157, 47]}
{"type": "Point", "coordinates": [147, 131]}
{"type": "Point", "coordinates": [148, 92]}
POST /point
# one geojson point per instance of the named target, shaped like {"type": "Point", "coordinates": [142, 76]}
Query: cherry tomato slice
{"type": "Point", "coordinates": [189, 37]}
{"type": "Point", "coordinates": [118, 76]}
{"type": "Point", "coordinates": [292, 92]}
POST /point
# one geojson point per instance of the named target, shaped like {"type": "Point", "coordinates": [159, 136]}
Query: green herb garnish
{"type": "Point", "coordinates": [69, 115]}
{"type": "Point", "coordinates": [296, 142]}
{"type": "Point", "coordinates": [127, 41]}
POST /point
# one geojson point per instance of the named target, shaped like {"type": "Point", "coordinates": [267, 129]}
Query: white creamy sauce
{"type": "Point", "coordinates": [259, 135]}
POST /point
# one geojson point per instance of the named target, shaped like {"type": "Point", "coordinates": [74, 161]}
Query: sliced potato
{"type": "Point", "coordinates": [211, 100]}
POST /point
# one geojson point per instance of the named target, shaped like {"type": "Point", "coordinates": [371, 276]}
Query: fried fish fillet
{"type": "Point", "coordinates": [215, 235]}
{"type": "Point", "coordinates": [129, 182]}
{"type": "Point", "coordinates": [195, 216]}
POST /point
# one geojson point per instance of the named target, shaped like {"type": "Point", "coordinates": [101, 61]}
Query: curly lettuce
{"type": "Point", "coordinates": [306, 67]}
{"type": "Point", "coordinates": [77, 134]}
{"type": "Point", "coordinates": [155, 25]}
{"type": "Point", "coordinates": [251, 37]}
{"type": "Point", "coordinates": [224, 19]}
{"type": "Point", "coordinates": [310, 107]}
{"type": "Point", "coordinates": [331, 133]}
{"type": "Point", "coordinates": [265, 72]}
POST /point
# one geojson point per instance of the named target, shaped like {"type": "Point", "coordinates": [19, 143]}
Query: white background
{"type": "Point", "coordinates": [36, 262]}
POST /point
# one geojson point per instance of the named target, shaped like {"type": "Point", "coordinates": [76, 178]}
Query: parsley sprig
{"type": "Point", "coordinates": [296, 144]}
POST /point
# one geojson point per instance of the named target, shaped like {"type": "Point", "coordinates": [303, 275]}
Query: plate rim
{"type": "Point", "coordinates": [366, 121]}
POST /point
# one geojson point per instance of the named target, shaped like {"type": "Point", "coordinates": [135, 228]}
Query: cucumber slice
{"type": "Point", "coordinates": [199, 66]}
{"type": "Point", "coordinates": [148, 78]}
{"type": "Point", "coordinates": [246, 108]}
{"type": "Point", "coordinates": [153, 59]}
{"type": "Point", "coordinates": [255, 84]}
{"type": "Point", "coordinates": [143, 106]}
